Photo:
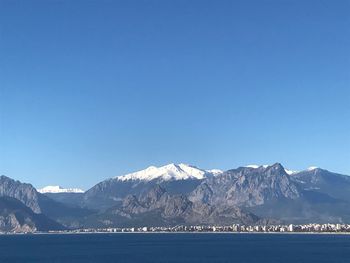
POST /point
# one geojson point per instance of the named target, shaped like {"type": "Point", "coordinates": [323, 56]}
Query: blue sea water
{"type": "Point", "coordinates": [127, 248]}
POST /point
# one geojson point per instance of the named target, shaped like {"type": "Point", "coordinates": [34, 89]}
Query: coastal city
{"type": "Point", "coordinates": [235, 228]}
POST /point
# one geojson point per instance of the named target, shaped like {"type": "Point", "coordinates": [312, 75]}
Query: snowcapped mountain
{"type": "Point", "coordinates": [169, 172]}
{"type": "Point", "coordinates": [58, 189]}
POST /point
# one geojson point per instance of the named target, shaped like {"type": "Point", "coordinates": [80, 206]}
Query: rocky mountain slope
{"type": "Point", "coordinates": [247, 187]}
{"type": "Point", "coordinates": [25, 193]}
{"type": "Point", "coordinates": [41, 204]}
{"type": "Point", "coordinates": [158, 207]}
{"type": "Point", "coordinates": [18, 218]}
{"type": "Point", "coordinates": [322, 181]}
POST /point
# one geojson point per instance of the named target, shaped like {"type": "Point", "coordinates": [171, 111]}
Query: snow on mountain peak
{"type": "Point", "coordinates": [290, 172]}
{"type": "Point", "coordinates": [255, 166]}
{"type": "Point", "coordinates": [169, 172]}
{"type": "Point", "coordinates": [59, 189]}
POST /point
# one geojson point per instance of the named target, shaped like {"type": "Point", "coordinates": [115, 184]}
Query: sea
{"type": "Point", "coordinates": [174, 248]}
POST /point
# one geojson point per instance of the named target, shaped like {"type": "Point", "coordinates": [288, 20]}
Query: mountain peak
{"type": "Point", "coordinates": [265, 166]}
{"type": "Point", "coordinates": [168, 172]}
{"type": "Point", "coordinates": [277, 166]}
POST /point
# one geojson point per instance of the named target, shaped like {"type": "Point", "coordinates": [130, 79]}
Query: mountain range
{"type": "Point", "coordinates": [181, 194]}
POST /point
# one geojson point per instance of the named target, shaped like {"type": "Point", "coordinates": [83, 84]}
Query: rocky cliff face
{"type": "Point", "coordinates": [174, 209]}
{"type": "Point", "coordinates": [25, 193]}
{"type": "Point", "coordinates": [247, 187]}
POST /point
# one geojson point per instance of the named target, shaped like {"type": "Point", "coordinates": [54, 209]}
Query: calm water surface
{"type": "Point", "coordinates": [245, 248]}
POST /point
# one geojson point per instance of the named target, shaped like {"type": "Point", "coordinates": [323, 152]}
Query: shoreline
{"type": "Point", "coordinates": [180, 232]}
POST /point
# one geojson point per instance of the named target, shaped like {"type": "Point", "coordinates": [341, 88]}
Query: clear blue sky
{"type": "Point", "coordinates": [94, 89]}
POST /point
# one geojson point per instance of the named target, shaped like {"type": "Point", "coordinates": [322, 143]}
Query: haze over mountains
{"type": "Point", "coordinates": [181, 194]}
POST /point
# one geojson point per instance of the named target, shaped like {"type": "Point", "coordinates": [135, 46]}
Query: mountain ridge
{"type": "Point", "coordinates": [184, 194]}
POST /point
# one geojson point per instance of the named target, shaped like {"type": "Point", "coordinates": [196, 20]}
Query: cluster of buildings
{"type": "Point", "coordinates": [312, 228]}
